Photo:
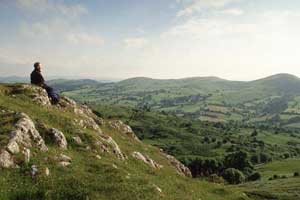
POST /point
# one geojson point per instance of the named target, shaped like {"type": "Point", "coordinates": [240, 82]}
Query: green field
{"type": "Point", "coordinates": [285, 187]}
{"type": "Point", "coordinates": [272, 100]}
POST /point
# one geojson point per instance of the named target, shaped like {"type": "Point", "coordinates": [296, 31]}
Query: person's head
{"type": "Point", "coordinates": [37, 66]}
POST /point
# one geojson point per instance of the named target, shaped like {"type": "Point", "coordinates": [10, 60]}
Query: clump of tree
{"type": "Point", "coordinates": [233, 176]}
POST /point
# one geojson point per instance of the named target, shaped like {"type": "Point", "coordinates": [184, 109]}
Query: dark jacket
{"type": "Point", "coordinates": [37, 78]}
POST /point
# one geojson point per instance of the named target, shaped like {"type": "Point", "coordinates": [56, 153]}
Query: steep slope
{"type": "Point", "coordinates": [64, 151]}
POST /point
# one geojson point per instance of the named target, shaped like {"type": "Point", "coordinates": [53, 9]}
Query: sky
{"type": "Point", "coordinates": [118, 39]}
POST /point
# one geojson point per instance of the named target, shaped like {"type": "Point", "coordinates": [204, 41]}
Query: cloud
{"type": "Point", "coordinates": [56, 6]}
{"type": "Point", "coordinates": [233, 11]}
{"type": "Point", "coordinates": [135, 42]}
{"type": "Point", "coordinates": [85, 38]}
{"type": "Point", "coordinates": [12, 56]}
{"type": "Point", "coordinates": [190, 7]}
{"type": "Point", "coordinates": [209, 28]}
{"type": "Point", "coordinates": [60, 31]}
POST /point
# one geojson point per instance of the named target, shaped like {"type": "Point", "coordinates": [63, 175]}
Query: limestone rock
{"type": "Point", "coordinates": [13, 147]}
{"type": "Point", "coordinates": [123, 128]}
{"type": "Point", "coordinates": [114, 146]}
{"type": "Point", "coordinates": [89, 119]}
{"type": "Point", "coordinates": [181, 169]}
{"type": "Point", "coordinates": [64, 164]}
{"type": "Point", "coordinates": [34, 170]}
{"type": "Point", "coordinates": [38, 94]}
{"type": "Point", "coordinates": [59, 138]}
{"type": "Point", "coordinates": [26, 153]}
{"type": "Point", "coordinates": [6, 159]}
{"type": "Point", "coordinates": [47, 171]}
{"type": "Point", "coordinates": [77, 140]}
{"type": "Point", "coordinates": [158, 189]}
{"type": "Point", "coordinates": [147, 160]}
{"type": "Point", "coordinates": [64, 160]}
{"type": "Point", "coordinates": [26, 133]}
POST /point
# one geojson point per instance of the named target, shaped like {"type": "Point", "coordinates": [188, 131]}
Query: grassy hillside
{"type": "Point", "coordinates": [272, 100]}
{"type": "Point", "coordinates": [95, 172]}
{"type": "Point", "coordinates": [283, 184]}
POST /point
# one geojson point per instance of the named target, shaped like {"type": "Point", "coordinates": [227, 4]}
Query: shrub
{"type": "Point", "coordinates": [283, 176]}
{"type": "Point", "coordinates": [275, 176]}
{"type": "Point", "coordinates": [233, 176]}
{"type": "Point", "coordinates": [296, 174]}
{"type": "Point", "coordinates": [254, 177]}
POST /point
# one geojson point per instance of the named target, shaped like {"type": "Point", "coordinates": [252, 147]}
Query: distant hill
{"type": "Point", "coordinates": [274, 99]}
{"type": "Point", "coordinates": [67, 85]}
{"type": "Point", "coordinates": [14, 79]}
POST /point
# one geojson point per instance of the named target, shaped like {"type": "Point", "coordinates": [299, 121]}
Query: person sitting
{"type": "Point", "coordinates": [38, 79]}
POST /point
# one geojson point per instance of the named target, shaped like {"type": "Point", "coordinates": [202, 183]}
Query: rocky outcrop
{"type": "Point", "coordinates": [26, 135]}
{"type": "Point", "coordinates": [89, 119]}
{"type": "Point", "coordinates": [123, 128]}
{"type": "Point", "coordinates": [147, 160]}
{"type": "Point", "coordinates": [6, 159]}
{"type": "Point", "coordinates": [59, 138]}
{"type": "Point", "coordinates": [108, 144]}
{"type": "Point", "coordinates": [38, 94]}
{"type": "Point", "coordinates": [181, 169]}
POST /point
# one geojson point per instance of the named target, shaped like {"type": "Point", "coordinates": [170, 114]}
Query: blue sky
{"type": "Point", "coordinates": [233, 39]}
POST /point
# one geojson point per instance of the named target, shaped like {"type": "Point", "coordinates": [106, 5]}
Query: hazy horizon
{"type": "Point", "coordinates": [232, 39]}
{"type": "Point", "coordinates": [50, 78]}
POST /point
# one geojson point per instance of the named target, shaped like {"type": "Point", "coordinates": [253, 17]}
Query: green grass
{"type": "Point", "coordinates": [88, 177]}
{"type": "Point", "coordinates": [279, 189]}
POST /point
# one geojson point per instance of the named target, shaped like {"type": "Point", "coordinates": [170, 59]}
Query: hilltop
{"type": "Point", "coordinates": [65, 151]}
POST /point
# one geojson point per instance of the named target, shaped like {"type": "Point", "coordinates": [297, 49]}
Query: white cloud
{"type": "Point", "coordinates": [232, 11]}
{"type": "Point", "coordinates": [12, 56]}
{"type": "Point", "coordinates": [61, 31]}
{"type": "Point", "coordinates": [85, 38]}
{"type": "Point", "coordinates": [56, 6]}
{"type": "Point", "coordinates": [135, 42]}
{"type": "Point", "coordinates": [193, 6]}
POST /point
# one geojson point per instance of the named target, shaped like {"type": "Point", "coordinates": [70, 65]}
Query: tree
{"type": "Point", "coordinates": [233, 176]}
{"type": "Point", "coordinates": [254, 133]}
{"type": "Point", "coordinates": [238, 160]}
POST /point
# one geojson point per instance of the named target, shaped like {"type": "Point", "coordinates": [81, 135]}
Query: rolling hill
{"type": "Point", "coordinates": [275, 99]}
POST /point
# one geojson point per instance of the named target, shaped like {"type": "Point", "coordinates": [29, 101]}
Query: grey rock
{"type": "Point", "coordinates": [13, 147]}
{"type": "Point", "coordinates": [64, 158]}
{"type": "Point", "coordinates": [181, 168]}
{"type": "Point", "coordinates": [64, 164]}
{"type": "Point", "coordinates": [6, 159]}
{"type": "Point", "coordinates": [59, 138]}
{"type": "Point", "coordinates": [147, 160]}
{"type": "Point", "coordinates": [123, 128]}
{"type": "Point", "coordinates": [77, 139]}
{"type": "Point", "coordinates": [47, 171]}
{"type": "Point", "coordinates": [34, 170]}
{"type": "Point", "coordinates": [26, 134]}
{"type": "Point", "coordinates": [26, 153]}
{"type": "Point", "coordinates": [114, 146]}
